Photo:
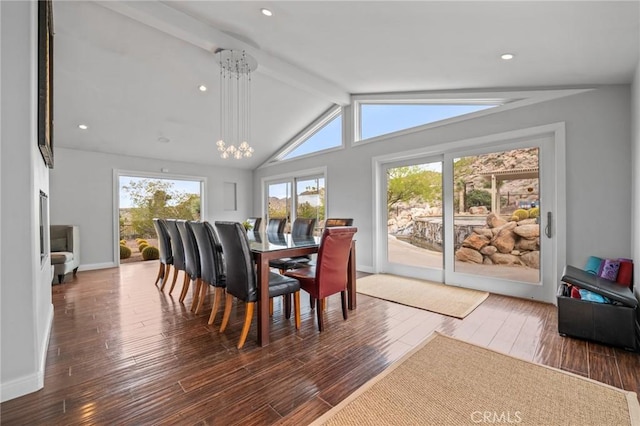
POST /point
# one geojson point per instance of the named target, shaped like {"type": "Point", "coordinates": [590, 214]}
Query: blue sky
{"type": "Point", "coordinates": [380, 119]}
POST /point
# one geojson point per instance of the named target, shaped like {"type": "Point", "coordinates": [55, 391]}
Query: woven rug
{"type": "Point", "coordinates": [443, 299]}
{"type": "Point", "coordinates": [449, 382]}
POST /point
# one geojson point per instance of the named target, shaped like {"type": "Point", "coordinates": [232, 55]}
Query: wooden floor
{"type": "Point", "coordinates": [121, 352]}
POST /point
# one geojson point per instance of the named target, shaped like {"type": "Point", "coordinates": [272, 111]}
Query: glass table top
{"type": "Point", "coordinates": [263, 242]}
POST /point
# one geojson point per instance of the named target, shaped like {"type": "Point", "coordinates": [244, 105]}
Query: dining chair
{"type": "Point", "coordinates": [276, 226]}
{"type": "Point", "coordinates": [242, 281]}
{"type": "Point", "coordinates": [177, 250]}
{"type": "Point", "coordinates": [330, 274]}
{"type": "Point", "coordinates": [211, 265]}
{"type": "Point", "coordinates": [164, 248]}
{"type": "Point", "coordinates": [192, 261]}
{"type": "Point", "coordinates": [255, 223]}
{"type": "Point", "coordinates": [302, 228]}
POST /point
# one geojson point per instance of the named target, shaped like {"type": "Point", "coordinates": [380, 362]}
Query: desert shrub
{"type": "Point", "coordinates": [150, 253]}
{"type": "Point", "coordinates": [125, 252]}
{"type": "Point", "coordinates": [534, 212]}
{"type": "Point", "coordinates": [143, 246]}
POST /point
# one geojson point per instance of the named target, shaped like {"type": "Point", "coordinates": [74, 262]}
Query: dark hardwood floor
{"type": "Point", "coordinates": [121, 352]}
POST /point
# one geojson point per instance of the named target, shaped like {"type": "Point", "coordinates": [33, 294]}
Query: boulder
{"type": "Point", "coordinates": [466, 254]}
{"type": "Point", "coordinates": [505, 241]}
{"type": "Point", "coordinates": [531, 259]}
{"type": "Point", "coordinates": [506, 226]}
{"type": "Point", "coordinates": [505, 259]}
{"type": "Point", "coordinates": [527, 231]}
{"type": "Point", "coordinates": [528, 244]}
{"type": "Point", "coordinates": [486, 232]}
{"type": "Point", "coordinates": [488, 250]}
{"type": "Point", "coordinates": [478, 210]}
{"type": "Point", "coordinates": [527, 222]}
{"type": "Point", "coordinates": [494, 221]}
{"type": "Point", "coordinates": [487, 261]}
{"type": "Point", "coordinates": [475, 241]}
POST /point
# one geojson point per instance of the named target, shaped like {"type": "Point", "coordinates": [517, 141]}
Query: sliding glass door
{"type": "Point", "coordinates": [477, 217]}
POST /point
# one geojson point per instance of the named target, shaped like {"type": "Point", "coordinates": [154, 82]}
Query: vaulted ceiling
{"type": "Point", "coordinates": [130, 71]}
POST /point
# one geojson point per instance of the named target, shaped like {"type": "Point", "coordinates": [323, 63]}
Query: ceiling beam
{"type": "Point", "coordinates": [184, 27]}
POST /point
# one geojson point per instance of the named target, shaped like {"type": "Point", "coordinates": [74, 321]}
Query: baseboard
{"type": "Point", "coordinates": [31, 382]}
{"type": "Point", "coordinates": [367, 269]}
{"type": "Point", "coordinates": [92, 266]}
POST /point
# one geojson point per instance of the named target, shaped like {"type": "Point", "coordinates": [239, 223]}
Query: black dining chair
{"type": "Point", "coordinates": [211, 265]}
{"type": "Point", "coordinates": [177, 250]}
{"type": "Point", "coordinates": [276, 226]}
{"type": "Point", "coordinates": [255, 223]}
{"type": "Point", "coordinates": [164, 248]}
{"type": "Point", "coordinates": [242, 281]}
{"type": "Point", "coordinates": [302, 229]}
{"type": "Point", "coordinates": [192, 262]}
{"type": "Point", "coordinates": [330, 274]}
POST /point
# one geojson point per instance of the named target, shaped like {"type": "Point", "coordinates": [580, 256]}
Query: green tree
{"type": "Point", "coordinates": [157, 198]}
{"type": "Point", "coordinates": [413, 183]}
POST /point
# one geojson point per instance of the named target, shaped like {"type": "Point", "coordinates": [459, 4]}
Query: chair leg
{"type": "Point", "coordinates": [320, 313]}
{"type": "Point", "coordinates": [203, 294]}
{"type": "Point", "coordinates": [296, 308]}
{"type": "Point", "coordinates": [165, 276]}
{"type": "Point", "coordinates": [75, 271]}
{"type": "Point", "coordinates": [343, 295]}
{"type": "Point", "coordinates": [287, 305]}
{"type": "Point", "coordinates": [247, 323]}
{"type": "Point", "coordinates": [217, 296]}
{"type": "Point", "coordinates": [196, 294]}
{"type": "Point", "coordinates": [312, 301]}
{"type": "Point", "coordinates": [227, 311]}
{"type": "Point", "coordinates": [160, 271]}
{"type": "Point", "coordinates": [175, 277]}
{"type": "Point", "coordinates": [185, 286]}
{"type": "Point", "coordinates": [60, 278]}
{"type": "Point", "coordinates": [271, 307]}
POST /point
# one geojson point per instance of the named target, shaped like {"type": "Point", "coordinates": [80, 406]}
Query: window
{"type": "Point", "coordinates": [378, 119]}
{"type": "Point", "coordinates": [323, 134]}
{"type": "Point", "coordinates": [296, 196]}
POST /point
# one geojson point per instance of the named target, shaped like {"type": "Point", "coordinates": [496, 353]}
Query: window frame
{"type": "Point", "coordinates": [422, 99]}
{"type": "Point", "coordinates": [309, 131]}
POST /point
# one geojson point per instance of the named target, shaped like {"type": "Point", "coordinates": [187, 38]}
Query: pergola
{"type": "Point", "coordinates": [498, 176]}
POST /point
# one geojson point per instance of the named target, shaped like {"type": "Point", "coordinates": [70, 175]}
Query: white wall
{"type": "Point", "coordinates": [82, 188]}
{"type": "Point", "coordinates": [598, 152]}
{"type": "Point", "coordinates": [635, 144]}
{"type": "Point", "coordinates": [25, 289]}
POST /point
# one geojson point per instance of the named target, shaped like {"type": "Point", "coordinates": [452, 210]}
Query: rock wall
{"type": "Point", "coordinates": [503, 243]}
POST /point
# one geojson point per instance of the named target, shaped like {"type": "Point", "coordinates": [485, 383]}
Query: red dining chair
{"type": "Point", "coordinates": [330, 274]}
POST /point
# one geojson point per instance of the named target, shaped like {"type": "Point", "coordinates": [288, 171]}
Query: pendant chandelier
{"type": "Point", "coordinates": [236, 67]}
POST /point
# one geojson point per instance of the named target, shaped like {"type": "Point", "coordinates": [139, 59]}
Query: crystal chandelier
{"type": "Point", "coordinates": [236, 67]}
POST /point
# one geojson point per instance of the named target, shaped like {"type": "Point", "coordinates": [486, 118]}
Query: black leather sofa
{"type": "Point", "coordinates": [616, 323]}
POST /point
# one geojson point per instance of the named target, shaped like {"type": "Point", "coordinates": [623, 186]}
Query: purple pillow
{"type": "Point", "coordinates": [610, 269]}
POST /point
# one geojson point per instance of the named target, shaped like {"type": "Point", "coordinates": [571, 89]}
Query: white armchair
{"type": "Point", "coordinates": [65, 249]}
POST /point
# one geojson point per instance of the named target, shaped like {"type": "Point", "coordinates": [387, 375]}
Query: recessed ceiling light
{"type": "Point", "coordinates": [202, 88]}
{"type": "Point", "coordinates": [507, 56]}
{"type": "Point", "coordinates": [163, 139]}
{"type": "Point", "coordinates": [83, 126]}
{"type": "Point", "coordinates": [266, 12]}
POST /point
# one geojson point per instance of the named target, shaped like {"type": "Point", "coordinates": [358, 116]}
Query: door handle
{"type": "Point", "coordinates": [547, 228]}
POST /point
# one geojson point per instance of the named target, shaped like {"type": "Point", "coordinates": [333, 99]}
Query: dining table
{"type": "Point", "coordinates": [267, 246]}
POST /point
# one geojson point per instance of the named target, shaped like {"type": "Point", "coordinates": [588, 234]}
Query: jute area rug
{"type": "Point", "coordinates": [443, 299]}
{"type": "Point", "coordinates": [449, 382]}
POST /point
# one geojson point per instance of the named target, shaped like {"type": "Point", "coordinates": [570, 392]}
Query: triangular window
{"type": "Point", "coordinates": [378, 119]}
{"type": "Point", "coordinates": [323, 134]}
